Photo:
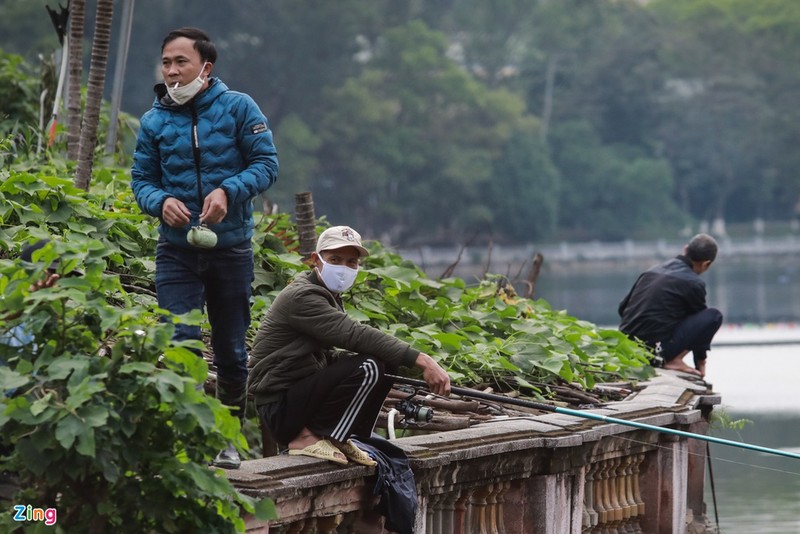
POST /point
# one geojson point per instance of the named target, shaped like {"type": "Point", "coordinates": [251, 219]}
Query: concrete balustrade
{"type": "Point", "coordinates": [545, 474]}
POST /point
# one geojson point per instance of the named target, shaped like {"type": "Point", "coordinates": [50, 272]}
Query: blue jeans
{"type": "Point", "coordinates": [188, 279]}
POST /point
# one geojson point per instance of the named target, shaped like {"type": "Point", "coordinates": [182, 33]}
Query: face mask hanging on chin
{"type": "Point", "coordinates": [182, 94]}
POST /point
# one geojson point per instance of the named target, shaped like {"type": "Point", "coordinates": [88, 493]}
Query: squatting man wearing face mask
{"type": "Point", "coordinates": [202, 154]}
{"type": "Point", "coordinates": [316, 374]}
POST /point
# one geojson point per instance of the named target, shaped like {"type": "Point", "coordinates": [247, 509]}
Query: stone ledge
{"type": "Point", "coordinates": [667, 400]}
{"type": "Point", "coordinates": [552, 473]}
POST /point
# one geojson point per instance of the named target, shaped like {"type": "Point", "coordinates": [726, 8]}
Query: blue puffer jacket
{"type": "Point", "coordinates": [236, 154]}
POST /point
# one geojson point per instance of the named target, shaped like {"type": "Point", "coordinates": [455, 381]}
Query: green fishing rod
{"type": "Point", "coordinates": [475, 394]}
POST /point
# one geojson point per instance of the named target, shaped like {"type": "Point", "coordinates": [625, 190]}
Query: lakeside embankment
{"type": "Point", "coordinates": [503, 259]}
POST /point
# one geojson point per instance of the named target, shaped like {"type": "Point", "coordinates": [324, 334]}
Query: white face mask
{"type": "Point", "coordinates": [184, 93]}
{"type": "Point", "coordinates": [337, 278]}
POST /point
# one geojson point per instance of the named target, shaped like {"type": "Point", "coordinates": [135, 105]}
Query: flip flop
{"type": "Point", "coordinates": [323, 449]}
{"type": "Point", "coordinates": [352, 452]}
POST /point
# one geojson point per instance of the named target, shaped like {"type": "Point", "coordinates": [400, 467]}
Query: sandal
{"type": "Point", "coordinates": [352, 452]}
{"type": "Point", "coordinates": [323, 449]}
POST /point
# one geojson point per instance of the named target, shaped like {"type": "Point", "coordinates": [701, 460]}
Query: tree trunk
{"type": "Point", "coordinates": [94, 93]}
{"type": "Point", "coordinates": [306, 223]}
{"type": "Point", "coordinates": [77, 10]}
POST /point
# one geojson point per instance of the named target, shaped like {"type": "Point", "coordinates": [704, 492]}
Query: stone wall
{"type": "Point", "coordinates": [539, 474]}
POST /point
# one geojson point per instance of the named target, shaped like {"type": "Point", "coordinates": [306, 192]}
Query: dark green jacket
{"type": "Point", "coordinates": [299, 333]}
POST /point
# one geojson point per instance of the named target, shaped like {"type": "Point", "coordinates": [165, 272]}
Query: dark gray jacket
{"type": "Point", "coordinates": [660, 299]}
{"type": "Point", "coordinates": [299, 333]}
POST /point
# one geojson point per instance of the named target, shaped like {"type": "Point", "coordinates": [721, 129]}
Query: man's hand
{"type": "Point", "coordinates": [49, 280]}
{"type": "Point", "coordinates": [215, 207]}
{"type": "Point", "coordinates": [437, 379]}
{"type": "Point", "coordinates": [175, 213]}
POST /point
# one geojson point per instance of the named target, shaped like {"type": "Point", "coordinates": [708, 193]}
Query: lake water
{"type": "Point", "coordinates": [756, 492]}
{"type": "Point", "coordinates": [759, 291]}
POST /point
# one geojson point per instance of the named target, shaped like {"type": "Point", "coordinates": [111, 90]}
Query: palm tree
{"type": "Point", "coordinates": [77, 10]}
{"type": "Point", "coordinates": [94, 93]}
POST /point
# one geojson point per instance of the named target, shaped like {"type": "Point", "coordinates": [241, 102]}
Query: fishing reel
{"type": "Point", "coordinates": [414, 412]}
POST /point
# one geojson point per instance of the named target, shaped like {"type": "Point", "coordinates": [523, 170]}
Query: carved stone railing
{"type": "Point", "coordinates": [550, 474]}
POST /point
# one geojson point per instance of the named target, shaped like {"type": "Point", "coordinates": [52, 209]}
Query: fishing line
{"type": "Point", "coordinates": [713, 487]}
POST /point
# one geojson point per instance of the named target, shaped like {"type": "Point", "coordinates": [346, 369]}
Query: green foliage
{"type": "Point", "coordinates": [721, 419]}
{"type": "Point", "coordinates": [420, 153]}
{"type": "Point", "coordinates": [107, 422]}
{"type": "Point", "coordinates": [614, 188]}
{"type": "Point", "coordinates": [19, 96]}
{"type": "Point", "coordinates": [44, 204]}
{"type": "Point", "coordinates": [486, 334]}
{"type": "Point", "coordinates": [526, 188]}
{"type": "Point", "coordinates": [480, 334]}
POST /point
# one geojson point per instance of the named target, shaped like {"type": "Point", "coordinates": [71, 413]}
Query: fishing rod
{"type": "Point", "coordinates": [475, 394]}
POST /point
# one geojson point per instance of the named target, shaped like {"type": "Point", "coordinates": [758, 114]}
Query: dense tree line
{"type": "Point", "coordinates": [519, 120]}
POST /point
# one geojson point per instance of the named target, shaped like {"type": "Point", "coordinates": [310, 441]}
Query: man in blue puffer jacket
{"type": "Point", "coordinates": [203, 153]}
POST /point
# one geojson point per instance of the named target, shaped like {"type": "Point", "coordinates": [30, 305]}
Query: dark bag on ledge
{"type": "Point", "coordinates": [395, 483]}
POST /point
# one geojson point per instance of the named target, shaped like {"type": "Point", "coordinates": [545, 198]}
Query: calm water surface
{"type": "Point", "coordinates": [757, 492]}
{"type": "Point", "coordinates": [757, 291]}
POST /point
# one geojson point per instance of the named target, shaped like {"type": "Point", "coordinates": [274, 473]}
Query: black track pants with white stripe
{"type": "Point", "coordinates": [341, 400]}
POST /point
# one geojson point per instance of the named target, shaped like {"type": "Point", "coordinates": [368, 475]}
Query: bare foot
{"type": "Point", "coordinates": [701, 366]}
{"type": "Point", "coordinates": [678, 365]}
{"type": "Point", "coordinates": [303, 439]}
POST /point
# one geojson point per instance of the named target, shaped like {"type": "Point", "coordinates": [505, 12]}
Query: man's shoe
{"type": "Point", "coordinates": [228, 458]}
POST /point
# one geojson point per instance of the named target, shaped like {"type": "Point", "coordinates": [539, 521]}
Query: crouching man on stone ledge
{"type": "Point", "coordinates": [316, 374]}
{"type": "Point", "coordinates": [666, 308]}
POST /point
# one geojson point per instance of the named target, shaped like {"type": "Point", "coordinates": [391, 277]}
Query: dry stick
{"type": "Point", "coordinates": [452, 267]}
{"type": "Point", "coordinates": [533, 276]}
{"type": "Point", "coordinates": [519, 271]}
{"type": "Point", "coordinates": [488, 264]}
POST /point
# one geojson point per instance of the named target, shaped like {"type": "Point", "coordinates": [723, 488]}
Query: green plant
{"type": "Point", "coordinates": [721, 419]}
{"type": "Point", "coordinates": [105, 419]}
{"type": "Point", "coordinates": [480, 334]}
{"type": "Point", "coordinates": [19, 94]}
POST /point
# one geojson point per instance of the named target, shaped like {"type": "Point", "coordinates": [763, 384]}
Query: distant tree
{"type": "Point", "coordinates": [284, 52]}
{"type": "Point", "coordinates": [298, 161]}
{"type": "Point", "coordinates": [491, 39]}
{"type": "Point", "coordinates": [611, 192]}
{"type": "Point", "coordinates": [25, 28]}
{"type": "Point", "coordinates": [409, 146]}
{"type": "Point", "coordinates": [18, 95]}
{"type": "Point", "coordinates": [524, 192]}
{"type": "Point", "coordinates": [721, 125]}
